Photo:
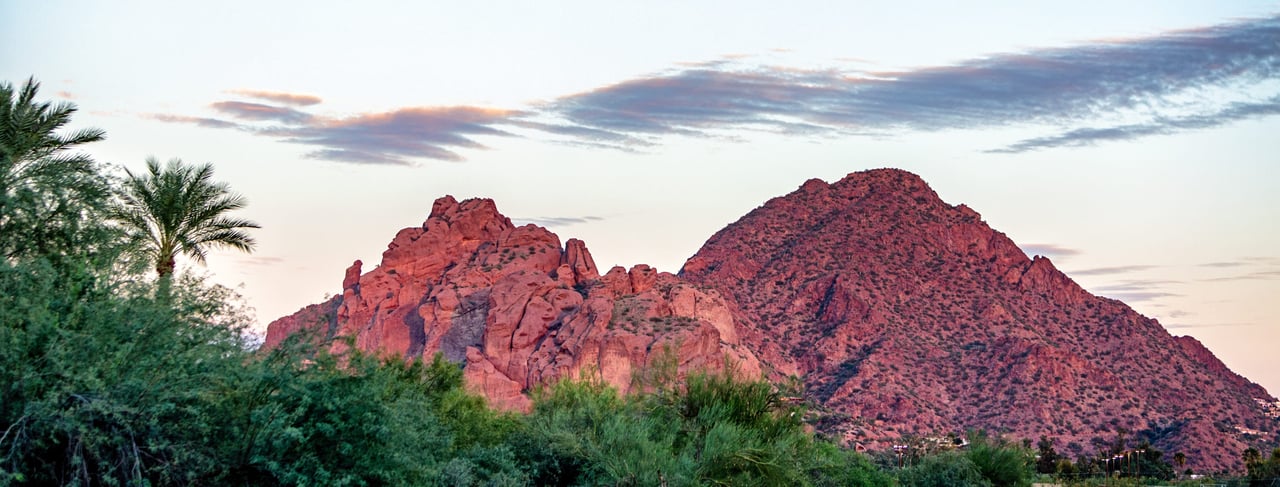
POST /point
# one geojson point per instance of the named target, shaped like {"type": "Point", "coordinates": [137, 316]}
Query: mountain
{"type": "Point", "coordinates": [902, 315]}
{"type": "Point", "coordinates": [906, 315]}
{"type": "Point", "coordinates": [517, 309]}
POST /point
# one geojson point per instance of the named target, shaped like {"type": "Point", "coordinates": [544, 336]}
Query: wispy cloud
{"type": "Point", "coordinates": [1136, 285]}
{"type": "Point", "coordinates": [1134, 290]}
{"type": "Point", "coordinates": [1051, 250]}
{"type": "Point", "coordinates": [396, 137]}
{"type": "Point", "coordinates": [1268, 275]}
{"type": "Point", "coordinates": [558, 221]}
{"type": "Point", "coordinates": [1159, 125]}
{"type": "Point", "coordinates": [1102, 271]}
{"type": "Point", "coordinates": [292, 99]}
{"type": "Point", "coordinates": [1160, 80]}
{"type": "Point", "coordinates": [259, 260]}
{"type": "Point", "coordinates": [1077, 95]}
{"type": "Point", "coordinates": [199, 121]}
{"type": "Point", "coordinates": [258, 111]}
{"type": "Point", "coordinates": [1136, 297]}
{"type": "Point", "coordinates": [1208, 325]}
{"type": "Point", "coordinates": [1225, 264]}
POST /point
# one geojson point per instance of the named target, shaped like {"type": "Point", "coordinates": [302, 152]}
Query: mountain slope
{"type": "Point", "coordinates": [912, 316]}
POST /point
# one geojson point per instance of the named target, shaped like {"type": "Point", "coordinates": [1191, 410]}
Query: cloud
{"type": "Point", "coordinates": [1135, 285]}
{"type": "Point", "coordinates": [1269, 275]}
{"type": "Point", "coordinates": [1102, 271]}
{"type": "Point", "coordinates": [199, 121]}
{"type": "Point", "coordinates": [1159, 126]}
{"type": "Point", "coordinates": [1133, 290]}
{"type": "Point", "coordinates": [292, 99]}
{"type": "Point", "coordinates": [66, 94]}
{"type": "Point", "coordinates": [257, 260]}
{"type": "Point", "coordinates": [1167, 81]}
{"type": "Point", "coordinates": [1208, 325]}
{"type": "Point", "coordinates": [1050, 250]}
{"type": "Point", "coordinates": [258, 111]}
{"type": "Point", "coordinates": [396, 137]}
{"type": "Point", "coordinates": [1225, 264]}
{"type": "Point", "coordinates": [1077, 95]}
{"type": "Point", "coordinates": [558, 221]}
{"type": "Point", "coordinates": [1135, 297]}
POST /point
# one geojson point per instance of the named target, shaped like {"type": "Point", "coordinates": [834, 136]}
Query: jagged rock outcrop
{"type": "Point", "coordinates": [909, 316]}
{"type": "Point", "coordinates": [516, 309]}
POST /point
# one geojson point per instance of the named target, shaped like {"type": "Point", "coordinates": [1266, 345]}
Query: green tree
{"type": "Point", "coordinates": [49, 194]}
{"type": "Point", "coordinates": [179, 209]}
{"type": "Point", "coordinates": [946, 469]}
{"type": "Point", "coordinates": [1047, 461]}
{"type": "Point", "coordinates": [102, 384]}
{"type": "Point", "coordinates": [1001, 462]}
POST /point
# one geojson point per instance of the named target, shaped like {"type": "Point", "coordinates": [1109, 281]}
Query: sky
{"type": "Point", "coordinates": [1134, 143]}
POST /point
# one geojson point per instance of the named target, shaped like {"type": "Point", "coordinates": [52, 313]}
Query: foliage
{"type": "Point", "coordinates": [711, 429]}
{"type": "Point", "coordinates": [1046, 456]}
{"type": "Point", "coordinates": [179, 209]}
{"type": "Point", "coordinates": [946, 469]}
{"type": "Point", "coordinates": [1262, 471]}
{"type": "Point", "coordinates": [102, 383]}
{"type": "Point", "coordinates": [50, 196]}
{"type": "Point", "coordinates": [1002, 463]}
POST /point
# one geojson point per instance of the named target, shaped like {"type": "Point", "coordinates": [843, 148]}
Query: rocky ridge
{"type": "Point", "coordinates": [517, 309]}
{"type": "Point", "coordinates": [903, 315]}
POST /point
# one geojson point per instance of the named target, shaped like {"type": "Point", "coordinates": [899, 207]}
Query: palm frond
{"type": "Point", "coordinates": [183, 211]}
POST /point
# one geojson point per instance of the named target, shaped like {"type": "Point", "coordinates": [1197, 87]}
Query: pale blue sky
{"type": "Point", "coordinates": [1143, 133]}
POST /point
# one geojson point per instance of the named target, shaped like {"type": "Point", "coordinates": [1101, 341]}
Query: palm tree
{"type": "Point", "coordinates": [180, 210]}
{"type": "Point", "coordinates": [46, 190]}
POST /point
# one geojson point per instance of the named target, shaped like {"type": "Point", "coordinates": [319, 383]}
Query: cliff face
{"type": "Point", "coordinates": [903, 315]}
{"type": "Point", "coordinates": [912, 316]}
{"type": "Point", "coordinates": [517, 309]}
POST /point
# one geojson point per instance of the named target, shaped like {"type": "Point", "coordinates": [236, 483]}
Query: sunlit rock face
{"type": "Point", "coordinates": [908, 316]}
{"type": "Point", "coordinates": [516, 308]}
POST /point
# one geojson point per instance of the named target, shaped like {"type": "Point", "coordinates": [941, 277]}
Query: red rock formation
{"type": "Point", "coordinates": [902, 314]}
{"type": "Point", "coordinates": [516, 309]}
{"type": "Point", "coordinates": [912, 316]}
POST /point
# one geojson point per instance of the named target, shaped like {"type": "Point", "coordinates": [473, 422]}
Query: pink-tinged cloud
{"type": "Point", "coordinates": [258, 111]}
{"type": "Point", "coordinates": [399, 136]}
{"type": "Point", "coordinates": [67, 95]}
{"type": "Point", "coordinates": [198, 121]}
{"type": "Point", "coordinates": [293, 99]}
{"type": "Point", "coordinates": [1103, 271]}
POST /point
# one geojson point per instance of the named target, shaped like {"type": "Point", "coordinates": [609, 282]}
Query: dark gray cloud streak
{"type": "Point", "coordinates": [1159, 85]}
